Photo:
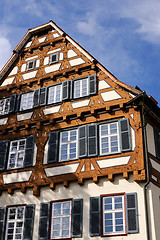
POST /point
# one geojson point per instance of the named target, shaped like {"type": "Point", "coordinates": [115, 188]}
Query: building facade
{"type": "Point", "coordinates": [79, 149]}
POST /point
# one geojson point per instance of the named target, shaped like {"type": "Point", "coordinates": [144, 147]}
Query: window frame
{"type": "Point", "coordinates": [48, 94]}
{"type": "Point", "coordinates": [114, 233]}
{"type": "Point", "coordinates": [68, 142]}
{"type": "Point", "coordinates": [2, 113]}
{"type": "Point", "coordinates": [21, 100]}
{"type": "Point", "coordinates": [109, 135]}
{"type": "Point", "coordinates": [14, 220]}
{"type": "Point", "coordinates": [33, 67]}
{"type": "Point", "coordinates": [81, 90]}
{"type": "Point", "coordinates": [51, 219]}
{"type": "Point", "coordinates": [16, 153]}
{"type": "Point", "coordinates": [50, 58]}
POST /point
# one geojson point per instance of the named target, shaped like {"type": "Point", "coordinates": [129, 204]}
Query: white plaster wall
{"type": "Point", "coordinates": [3, 121]}
{"type": "Point", "coordinates": [103, 85]}
{"type": "Point", "coordinates": [71, 53]}
{"type": "Point", "coordinates": [42, 39]}
{"type": "Point", "coordinates": [29, 75]}
{"type": "Point", "coordinates": [53, 51]}
{"type": "Point", "coordinates": [24, 116]}
{"type": "Point", "coordinates": [79, 104]}
{"type": "Point", "coordinates": [150, 139]}
{"type": "Point", "coordinates": [46, 61]}
{"type": "Point", "coordinates": [76, 62]}
{"type": "Point", "coordinates": [23, 68]}
{"type": "Point", "coordinates": [16, 177]}
{"type": "Point", "coordinates": [28, 44]}
{"type": "Point", "coordinates": [7, 81]}
{"type": "Point", "coordinates": [31, 58]}
{"type": "Point", "coordinates": [51, 110]}
{"type": "Point", "coordinates": [52, 68]}
{"type": "Point", "coordinates": [14, 71]}
{"type": "Point", "coordinates": [154, 211]}
{"type": "Point", "coordinates": [110, 95]}
{"type": "Point", "coordinates": [89, 189]}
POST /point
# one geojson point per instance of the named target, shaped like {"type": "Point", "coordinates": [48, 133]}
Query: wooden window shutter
{"type": "Point", "coordinates": [12, 103]}
{"type": "Point", "coordinates": [29, 151]}
{"type": "Point", "coordinates": [65, 90]}
{"type": "Point", "coordinates": [53, 147]}
{"type": "Point", "coordinates": [125, 134]}
{"type": "Point", "coordinates": [77, 217]}
{"type": "Point", "coordinates": [92, 140]}
{"type": "Point", "coordinates": [92, 84]}
{"type": "Point", "coordinates": [3, 154]}
{"type": "Point", "coordinates": [131, 212]}
{"type": "Point", "coordinates": [29, 222]}
{"type": "Point", "coordinates": [44, 221]}
{"type": "Point", "coordinates": [95, 213]}
{"type": "Point", "coordinates": [82, 133]}
{"type": "Point", "coordinates": [157, 141]}
{"type": "Point", "coordinates": [2, 221]}
{"type": "Point", "coordinates": [36, 98]}
{"type": "Point", "coordinates": [71, 89]}
{"type": "Point", "coordinates": [43, 96]}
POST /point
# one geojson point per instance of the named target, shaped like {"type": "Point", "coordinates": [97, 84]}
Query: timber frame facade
{"type": "Point", "coordinates": [64, 119]}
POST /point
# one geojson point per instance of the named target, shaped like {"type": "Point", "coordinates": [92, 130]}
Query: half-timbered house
{"type": "Point", "coordinates": [79, 149]}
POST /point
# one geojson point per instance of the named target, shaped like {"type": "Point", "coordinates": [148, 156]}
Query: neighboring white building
{"type": "Point", "coordinates": [79, 150]}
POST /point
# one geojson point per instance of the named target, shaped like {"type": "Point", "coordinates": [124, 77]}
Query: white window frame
{"type": "Point", "coordinates": [53, 98]}
{"type": "Point", "coordinates": [79, 88]}
{"type": "Point", "coordinates": [15, 221]}
{"type": "Point", "coordinates": [113, 211]}
{"type": "Point", "coordinates": [61, 216]}
{"type": "Point", "coordinates": [50, 58]}
{"type": "Point", "coordinates": [28, 103]}
{"type": "Point", "coordinates": [109, 135]}
{"type": "Point", "coordinates": [68, 145]}
{"type": "Point", "coordinates": [33, 66]}
{"type": "Point", "coordinates": [4, 102]}
{"type": "Point", "coordinates": [16, 152]}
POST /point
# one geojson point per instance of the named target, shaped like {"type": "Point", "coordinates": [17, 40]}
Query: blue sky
{"type": "Point", "coordinates": [123, 35]}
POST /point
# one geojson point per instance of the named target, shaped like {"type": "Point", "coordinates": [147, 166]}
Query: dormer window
{"type": "Point", "coordinates": [53, 58]}
{"type": "Point", "coordinates": [31, 65]}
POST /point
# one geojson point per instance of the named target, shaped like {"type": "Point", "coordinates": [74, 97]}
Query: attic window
{"type": "Point", "coordinates": [31, 65]}
{"type": "Point", "coordinates": [53, 58]}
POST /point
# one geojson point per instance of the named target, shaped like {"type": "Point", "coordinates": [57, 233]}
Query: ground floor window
{"type": "Point", "coordinates": [15, 223]}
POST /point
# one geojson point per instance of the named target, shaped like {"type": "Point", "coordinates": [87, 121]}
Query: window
{"type": "Point", "coordinates": [31, 65]}
{"type": "Point", "coordinates": [4, 106]}
{"type": "Point", "coordinates": [68, 145]}
{"type": "Point", "coordinates": [81, 88]}
{"type": "Point", "coordinates": [15, 223]}
{"type": "Point", "coordinates": [109, 138]}
{"type": "Point", "coordinates": [55, 94]}
{"type": "Point", "coordinates": [16, 154]}
{"type": "Point", "coordinates": [84, 87]}
{"type": "Point", "coordinates": [61, 220]}
{"type": "Point", "coordinates": [26, 101]}
{"type": "Point", "coordinates": [113, 215]}
{"type": "Point", "coordinates": [54, 58]}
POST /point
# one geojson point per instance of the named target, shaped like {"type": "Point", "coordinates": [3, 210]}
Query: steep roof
{"type": "Point", "coordinates": [51, 24]}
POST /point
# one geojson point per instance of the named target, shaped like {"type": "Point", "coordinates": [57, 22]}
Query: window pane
{"type": "Point", "coordinates": [68, 145]}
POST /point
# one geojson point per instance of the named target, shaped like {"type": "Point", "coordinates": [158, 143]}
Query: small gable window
{"type": "Point", "coordinates": [53, 58]}
{"type": "Point", "coordinates": [31, 65]}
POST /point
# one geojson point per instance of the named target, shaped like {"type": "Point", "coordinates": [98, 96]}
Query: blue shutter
{"type": "Point", "coordinates": [157, 141]}
{"type": "Point", "coordinates": [82, 134]}
{"type": "Point", "coordinates": [77, 217]}
{"type": "Point", "coordinates": [125, 134]}
{"type": "Point", "coordinates": [92, 85]}
{"type": "Point", "coordinates": [43, 96]}
{"type": "Point", "coordinates": [29, 151]}
{"type": "Point", "coordinates": [44, 221]}
{"type": "Point", "coordinates": [95, 213]}
{"type": "Point", "coordinates": [29, 222]}
{"type": "Point", "coordinates": [12, 103]}
{"type": "Point", "coordinates": [92, 140]}
{"type": "Point", "coordinates": [65, 90]}
{"type": "Point", "coordinates": [2, 222]}
{"type": "Point", "coordinates": [131, 212]}
{"type": "Point", "coordinates": [53, 147]}
{"type": "Point", "coordinates": [36, 98]}
{"type": "Point", "coordinates": [3, 154]}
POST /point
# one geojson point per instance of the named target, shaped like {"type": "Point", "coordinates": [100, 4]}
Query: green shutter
{"type": "Point", "coordinates": [77, 217]}
{"type": "Point", "coordinates": [82, 134]}
{"type": "Point", "coordinates": [95, 220]}
{"type": "Point", "coordinates": [131, 212]}
{"type": "Point", "coordinates": [44, 221]}
{"type": "Point", "coordinates": [2, 221]}
{"type": "Point", "coordinates": [53, 147]}
{"type": "Point", "coordinates": [29, 222]}
{"type": "Point", "coordinates": [125, 134]}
